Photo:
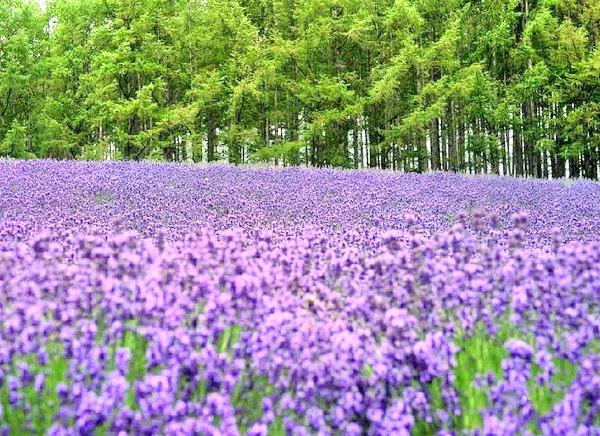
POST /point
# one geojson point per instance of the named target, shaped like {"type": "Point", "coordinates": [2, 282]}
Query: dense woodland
{"type": "Point", "coordinates": [482, 86]}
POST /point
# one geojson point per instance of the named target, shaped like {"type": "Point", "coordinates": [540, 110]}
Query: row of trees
{"type": "Point", "coordinates": [500, 86]}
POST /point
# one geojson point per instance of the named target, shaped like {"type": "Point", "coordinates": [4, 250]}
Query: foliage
{"type": "Point", "coordinates": [482, 87]}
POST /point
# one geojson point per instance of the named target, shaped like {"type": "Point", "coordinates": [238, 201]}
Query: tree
{"type": "Point", "coordinates": [508, 86]}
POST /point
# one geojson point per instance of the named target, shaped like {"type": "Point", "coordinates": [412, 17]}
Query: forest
{"type": "Point", "coordinates": [506, 87]}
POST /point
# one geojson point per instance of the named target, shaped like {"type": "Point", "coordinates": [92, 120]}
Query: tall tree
{"type": "Point", "coordinates": [501, 86]}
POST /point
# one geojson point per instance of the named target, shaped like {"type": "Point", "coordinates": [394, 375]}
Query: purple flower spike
{"type": "Point", "coordinates": [519, 348]}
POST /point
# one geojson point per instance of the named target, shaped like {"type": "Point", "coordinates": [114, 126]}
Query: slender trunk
{"type": "Point", "coordinates": [383, 156]}
{"type": "Point", "coordinates": [450, 128]}
{"type": "Point", "coordinates": [477, 151]}
{"type": "Point", "coordinates": [527, 145]}
{"type": "Point", "coordinates": [374, 137]}
{"type": "Point", "coordinates": [361, 154]}
{"type": "Point", "coordinates": [496, 153]}
{"type": "Point", "coordinates": [421, 141]}
{"type": "Point", "coordinates": [444, 155]}
{"type": "Point", "coordinates": [211, 138]}
{"type": "Point", "coordinates": [355, 142]}
{"type": "Point", "coordinates": [542, 157]}
{"type": "Point", "coordinates": [589, 164]}
{"type": "Point", "coordinates": [517, 147]}
{"type": "Point", "coordinates": [504, 140]}
{"type": "Point", "coordinates": [293, 115]}
{"type": "Point", "coordinates": [264, 126]}
{"type": "Point", "coordinates": [574, 167]}
{"type": "Point", "coordinates": [435, 145]}
{"type": "Point", "coordinates": [461, 146]}
{"type": "Point", "coordinates": [559, 168]}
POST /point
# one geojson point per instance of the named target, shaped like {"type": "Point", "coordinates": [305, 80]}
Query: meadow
{"type": "Point", "coordinates": [143, 299]}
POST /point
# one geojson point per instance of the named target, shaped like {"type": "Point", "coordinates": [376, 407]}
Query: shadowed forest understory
{"type": "Point", "coordinates": [493, 86]}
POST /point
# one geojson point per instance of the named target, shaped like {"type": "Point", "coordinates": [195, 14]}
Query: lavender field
{"type": "Point", "coordinates": [186, 300]}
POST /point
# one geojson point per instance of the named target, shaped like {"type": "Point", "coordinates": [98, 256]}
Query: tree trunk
{"type": "Point", "coordinates": [450, 129]}
{"type": "Point", "coordinates": [497, 152]}
{"type": "Point", "coordinates": [435, 145]}
{"type": "Point", "coordinates": [374, 137]}
{"type": "Point", "coordinates": [443, 150]}
{"type": "Point", "coordinates": [558, 162]}
{"type": "Point", "coordinates": [355, 142]}
{"type": "Point", "coordinates": [517, 148]}
{"type": "Point", "coordinates": [574, 167]}
{"type": "Point", "coordinates": [506, 160]}
{"type": "Point", "coordinates": [461, 146]}
{"type": "Point", "coordinates": [589, 164]}
{"type": "Point", "coordinates": [211, 138]}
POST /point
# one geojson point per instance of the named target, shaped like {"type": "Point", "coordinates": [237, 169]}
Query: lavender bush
{"type": "Point", "coordinates": [145, 299]}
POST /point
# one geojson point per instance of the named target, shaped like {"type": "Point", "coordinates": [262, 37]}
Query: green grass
{"type": "Point", "coordinates": [228, 339]}
{"type": "Point", "coordinates": [483, 354]}
{"type": "Point", "coordinates": [43, 405]}
{"type": "Point", "coordinates": [434, 392]}
{"type": "Point", "coordinates": [137, 344]}
{"type": "Point", "coordinates": [480, 353]}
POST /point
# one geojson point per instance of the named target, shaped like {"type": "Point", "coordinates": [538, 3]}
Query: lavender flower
{"type": "Point", "coordinates": [250, 302]}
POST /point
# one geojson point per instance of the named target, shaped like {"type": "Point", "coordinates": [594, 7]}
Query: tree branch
{"type": "Point", "coordinates": [7, 101]}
